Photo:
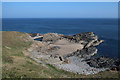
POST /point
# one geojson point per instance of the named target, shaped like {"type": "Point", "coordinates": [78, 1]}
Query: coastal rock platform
{"type": "Point", "coordinates": [73, 53]}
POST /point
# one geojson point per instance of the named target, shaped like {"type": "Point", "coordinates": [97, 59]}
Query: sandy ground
{"type": "Point", "coordinates": [66, 47]}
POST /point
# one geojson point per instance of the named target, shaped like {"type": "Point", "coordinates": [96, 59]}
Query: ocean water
{"type": "Point", "coordinates": [106, 29]}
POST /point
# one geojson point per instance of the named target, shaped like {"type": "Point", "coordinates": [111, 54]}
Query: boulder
{"type": "Point", "coordinates": [34, 34]}
{"type": "Point", "coordinates": [67, 61]}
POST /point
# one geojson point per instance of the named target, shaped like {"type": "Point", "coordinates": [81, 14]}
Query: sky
{"type": "Point", "coordinates": [60, 0]}
{"type": "Point", "coordinates": [59, 9]}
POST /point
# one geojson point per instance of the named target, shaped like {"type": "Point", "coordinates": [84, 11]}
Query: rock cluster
{"type": "Point", "coordinates": [78, 66]}
{"type": "Point", "coordinates": [85, 53]}
{"type": "Point", "coordinates": [87, 36]}
{"type": "Point", "coordinates": [51, 37]}
{"type": "Point", "coordinates": [34, 34]}
{"type": "Point", "coordinates": [104, 62]}
{"type": "Point", "coordinates": [89, 40]}
{"type": "Point", "coordinates": [50, 53]}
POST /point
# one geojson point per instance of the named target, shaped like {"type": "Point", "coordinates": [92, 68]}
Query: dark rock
{"type": "Point", "coordinates": [82, 36]}
{"type": "Point", "coordinates": [61, 58]}
{"type": "Point", "coordinates": [88, 39]}
{"type": "Point", "coordinates": [68, 37]}
{"type": "Point", "coordinates": [88, 36]}
{"type": "Point", "coordinates": [104, 62]}
{"type": "Point", "coordinates": [115, 68]}
{"type": "Point", "coordinates": [85, 53]}
{"type": "Point", "coordinates": [34, 34]}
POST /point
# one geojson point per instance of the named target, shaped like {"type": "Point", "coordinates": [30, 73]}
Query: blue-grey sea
{"type": "Point", "coordinates": [106, 29]}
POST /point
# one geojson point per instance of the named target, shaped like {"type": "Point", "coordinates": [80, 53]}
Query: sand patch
{"type": "Point", "coordinates": [66, 47]}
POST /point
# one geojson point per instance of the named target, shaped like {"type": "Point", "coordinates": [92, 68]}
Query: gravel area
{"type": "Point", "coordinates": [80, 67]}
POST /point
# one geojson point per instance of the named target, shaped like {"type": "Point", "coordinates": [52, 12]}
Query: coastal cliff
{"type": "Point", "coordinates": [72, 53]}
{"type": "Point", "coordinates": [54, 55]}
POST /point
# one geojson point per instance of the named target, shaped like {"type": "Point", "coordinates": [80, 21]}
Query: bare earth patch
{"type": "Point", "coordinates": [66, 47]}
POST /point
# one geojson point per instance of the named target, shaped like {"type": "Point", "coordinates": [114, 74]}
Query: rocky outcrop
{"type": "Point", "coordinates": [51, 37]}
{"type": "Point", "coordinates": [85, 53]}
{"type": "Point", "coordinates": [87, 36]}
{"type": "Point", "coordinates": [72, 51]}
{"type": "Point", "coordinates": [89, 40]}
{"type": "Point", "coordinates": [34, 34]}
{"type": "Point", "coordinates": [104, 62]}
{"type": "Point", "coordinates": [93, 43]}
{"type": "Point", "coordinates": [78, 66]}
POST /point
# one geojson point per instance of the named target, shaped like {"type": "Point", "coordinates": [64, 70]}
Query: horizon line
{"type": "Point", "coordinates": [71, 18]}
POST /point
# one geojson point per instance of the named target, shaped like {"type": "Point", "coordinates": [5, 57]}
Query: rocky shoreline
{"type": "Point", "coordinates": [73, 53]}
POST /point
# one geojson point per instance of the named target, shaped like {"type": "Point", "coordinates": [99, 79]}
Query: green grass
{"type": "Point", "coordinates": [29, 62]}
{"type": "Point", "coordinates": [51, 66]}
{"type": "Point", "coordinates": [16, 65]}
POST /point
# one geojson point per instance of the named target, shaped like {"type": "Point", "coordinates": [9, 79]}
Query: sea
{"type": "Point", "coordinates": [105, 28]}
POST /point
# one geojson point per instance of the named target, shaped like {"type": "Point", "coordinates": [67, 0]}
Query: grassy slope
{"type": "Point", "coordinates": [16, 65]}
